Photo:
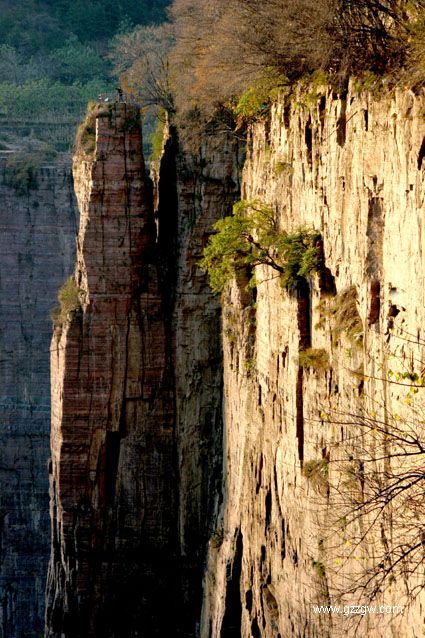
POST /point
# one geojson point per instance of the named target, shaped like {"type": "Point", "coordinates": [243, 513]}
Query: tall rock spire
{"type": "Point", "coordinates": [112, 469]}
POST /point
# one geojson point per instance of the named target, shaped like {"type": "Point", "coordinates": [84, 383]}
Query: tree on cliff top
{"type": "Point", "coordinates": [224, 47]}
{"type": "Point", "coordinates": [210, 54]}
{"type": "Point", "coordinates": [141, 59]}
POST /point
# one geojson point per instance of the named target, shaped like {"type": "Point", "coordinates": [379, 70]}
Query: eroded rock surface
{"type": "Point", "coordinates": [136, 392]}
{"type": "Point", "coordinates": [351, 167]}
{"type": "Point", "coordinates": [137, 486]}
{"type": "Point", "coordinates": [113, 476]}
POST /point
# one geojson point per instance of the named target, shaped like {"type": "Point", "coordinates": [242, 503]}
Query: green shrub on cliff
{"type": "Point", "coordinates": [22, 167]}
{"type": "Point", "coordinates": [85, 140]}
{"type": "Point", "coordinates": [69, 301]}
{"type": "Point", "coordinates": [251, 237]}
{"type": "Point", "coordinates": [21, 171]}
{"type": "Point", "coordinates": [314, 358]}
{"type": "Point", "coordinates": [256, 100]}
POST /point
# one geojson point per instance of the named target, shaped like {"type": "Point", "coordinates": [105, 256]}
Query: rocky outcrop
{"type": "Point", "coordinates": [207, 186]}
{"type": "Point", "coordinates": [134, 479]}
{"type": "Point", "coordinates": [147, 470]}
{"type": "Point", "coordinates": [38, 223]}
{"type": "Point", "coordinates": [113, 475]}
{"type": "Point", "coordinates": [350, 166]}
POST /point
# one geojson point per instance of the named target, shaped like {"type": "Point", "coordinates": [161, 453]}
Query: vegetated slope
{"type": "Point", "coordinates": [53, 60]}
{"type": "Point", "coordinates": [223, 60]}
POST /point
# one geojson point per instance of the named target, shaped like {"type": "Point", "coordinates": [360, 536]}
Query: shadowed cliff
{"type": "Point", "coordinates": [134, 484]}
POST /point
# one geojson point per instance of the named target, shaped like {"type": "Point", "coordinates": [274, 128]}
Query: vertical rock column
{"type": "Point", "coordinates": [112, 440]}
{"type": "Point", "coordinates": [207, 186]}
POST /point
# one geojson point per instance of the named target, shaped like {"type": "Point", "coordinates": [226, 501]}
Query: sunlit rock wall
{"type": "Point", "coordinates": [352, 167]}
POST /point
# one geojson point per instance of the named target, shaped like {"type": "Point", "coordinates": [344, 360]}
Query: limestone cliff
{"type": "Point", "coordinates": [207, 185]}
{"type": "Point", "coordinates": [153, 466]}
{"type": "Point", "coordinates": [38, 223]}
{"type": "Point", "coordinates": [112, 475]}
{"type": "Point", "coordinates": [134, 480]}
{"type": "Point", "coordinates": [350, 166]}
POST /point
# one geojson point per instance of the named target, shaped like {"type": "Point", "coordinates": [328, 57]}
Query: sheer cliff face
{"type": "Point", "coordinates": [353, 169]}
{"type": "Point", "coordinates": [37, 252]}
{"type": "Point", "coordinates": [207, 186]}
{"type": "Point", "coordinates": [137, 447]}
{"type": "Point", "coordinates": [137, 391]}
{"type": "Point", "coordinates": [112, 473]}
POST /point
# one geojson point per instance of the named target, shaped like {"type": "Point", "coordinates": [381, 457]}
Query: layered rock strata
{"type": "Point", "coordinates": [351, 167]}
{"type": "Point", "coordinates": [208, 184]}
{"type": "Point", "coordinates": [38, 223]}
{"type": "Point", "coordinates": [137, 391]}
{"type": "Point", "coordinates": [113, 475]}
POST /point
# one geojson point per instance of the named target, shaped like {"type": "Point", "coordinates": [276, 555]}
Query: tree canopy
{"type": "Point", "coordinates": [250, 237]}
{"type": "Point", "coordinates": [226, 49]}
{"type": "Point", "coordinates": [54, 58]}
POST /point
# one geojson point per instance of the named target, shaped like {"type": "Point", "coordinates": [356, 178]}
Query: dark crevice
{"type": "Point", "coordinates": [304, 329]}
{"type": "Point", "coordinates": [326, 279]}
{"type": "Point", "coordinates": [300, 414]}
{"type": "Point", "coordinates": [110, 466]}
{"type": "Point", "coordinates": [255, 629]}
{"type": "Point", "coordinates": [308, 136]}
{"type": "Point", "coordinates": [267, 129]}
{"type": "Point", "coordinates": [167, 214]}
{"type": "Point", "coordinates": [341, 127]}
{"type": "Point", "coordinates": [268, 506]}
{"type": "Point", "coordinates": [232, 620]}
{"type": "Point", "coordinates": [322, 111]}
{"type": "Point", "coordinates": [287, 115]}
{"type": "Point", "coordinates": [421, 154]}
{"type": "Point", "coordinates": [260, 474]}
{"type": "Point", "coordinates": [248, 600]}
{"type": "Point", "coordinates": [304, 314]}
{"type": "Point", "coordinates": [375, 302]}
